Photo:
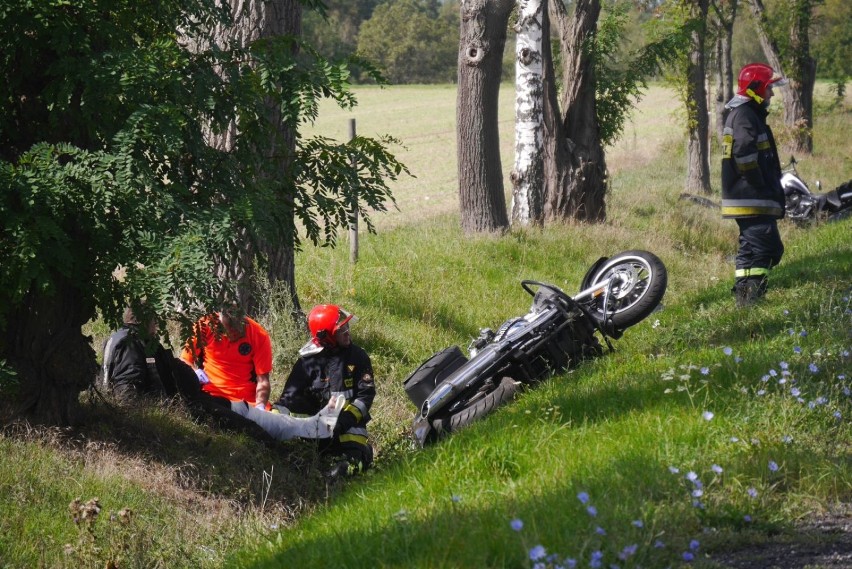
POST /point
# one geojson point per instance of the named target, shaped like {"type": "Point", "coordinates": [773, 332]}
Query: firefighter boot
{"type": "Point", "coordinates": [749, 290]}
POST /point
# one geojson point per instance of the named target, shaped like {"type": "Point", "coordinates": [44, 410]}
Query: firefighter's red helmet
{"type": "Point", "coordinates": [756, 77]}
{"type": "Point", "coordinates": [324, 321]}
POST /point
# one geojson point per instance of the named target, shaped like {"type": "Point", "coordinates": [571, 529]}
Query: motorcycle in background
{"type": "Point", "coordinates": [802, 206]}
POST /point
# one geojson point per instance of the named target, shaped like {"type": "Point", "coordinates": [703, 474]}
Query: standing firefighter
{"type": "Point", "coordinates": [329, 365]}
{"type": "Point", "coordinates": [751, 181]}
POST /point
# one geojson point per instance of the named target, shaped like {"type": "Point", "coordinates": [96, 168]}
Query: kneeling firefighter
{"type": "Point", "coordinates": [331, 365]}
{"type": "Point", "coordinates": [751, 181]}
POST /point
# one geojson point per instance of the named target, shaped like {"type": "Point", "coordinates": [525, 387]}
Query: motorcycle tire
{"type": "Point", "coordinates": [502, 394]}
{"type": "Point", "coordinates": [644, 282]}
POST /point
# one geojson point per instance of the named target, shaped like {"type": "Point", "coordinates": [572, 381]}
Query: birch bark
{"type": "Point", "coordinates": [528, 172]}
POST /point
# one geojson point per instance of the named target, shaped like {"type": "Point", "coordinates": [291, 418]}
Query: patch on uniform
{"type": "Point", "coordinates": [350, 367]}
{"type": "Point", "coordinates": [244, 349]}
{"type": "Point", "coordinates": [367, 378]}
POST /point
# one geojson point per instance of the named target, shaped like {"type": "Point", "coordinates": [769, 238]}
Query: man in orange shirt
{"type": "Point", "coordinates": [232, 357]}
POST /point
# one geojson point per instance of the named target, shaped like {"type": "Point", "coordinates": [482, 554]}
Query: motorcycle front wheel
{"type": "Point", "coordinates": [500, 395]}
{"type": "Point", "coordinates": [639, 280]}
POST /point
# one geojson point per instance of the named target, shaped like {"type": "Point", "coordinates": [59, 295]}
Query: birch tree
{"type": "Point", "coordinates": [528, 175]}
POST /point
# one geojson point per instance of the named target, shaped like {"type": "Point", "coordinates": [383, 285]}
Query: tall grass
{"type": "Point", "coordinates": [696, 388]}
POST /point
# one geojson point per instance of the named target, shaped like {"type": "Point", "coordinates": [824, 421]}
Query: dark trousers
{"type": "Point", "coordinates": [760, 248]}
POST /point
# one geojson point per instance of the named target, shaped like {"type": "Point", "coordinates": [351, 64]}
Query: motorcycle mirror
{"type": "Point", "coordinates": [818, 185]}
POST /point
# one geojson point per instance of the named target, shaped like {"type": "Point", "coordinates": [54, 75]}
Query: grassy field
{"type": "Point", "coordinates": [707, 430]}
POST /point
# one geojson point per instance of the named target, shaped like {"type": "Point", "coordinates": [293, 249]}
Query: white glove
{"type": "Point", "coordinates": [202, 377]}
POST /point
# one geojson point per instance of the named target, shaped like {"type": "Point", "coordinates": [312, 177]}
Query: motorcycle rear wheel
{"type": "Point", "coordinates": [502, 394]}
{"type": "Point", "coordinates": [642, 283]}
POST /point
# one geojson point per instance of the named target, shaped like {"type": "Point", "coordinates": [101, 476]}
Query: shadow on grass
{"type": "Point", "coordinates": [468, 534]}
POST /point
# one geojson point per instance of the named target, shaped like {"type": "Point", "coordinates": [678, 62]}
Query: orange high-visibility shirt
{"type": "Point", "coordinates": [231, 366]}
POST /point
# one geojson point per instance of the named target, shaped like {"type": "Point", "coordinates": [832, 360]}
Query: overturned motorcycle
{"type": "Point", "coordinates": [451, 391]}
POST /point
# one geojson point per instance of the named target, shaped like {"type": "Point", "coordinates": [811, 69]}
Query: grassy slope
{"type": "Point", "coordinates": [611, 428]}
{"type": "Point", "coordinates": [614, 427]}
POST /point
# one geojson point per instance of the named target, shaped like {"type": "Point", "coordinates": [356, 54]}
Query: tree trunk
{"type": "Point", "coordinates": [482, 39]}
{"type": "Point", "coordinates": [698, 165]}
{"type": "Point", "coordinates": [53, 359]}
{"type": "Point", "coordinates": [801, 72]}
{"type": "Point", "coordinates": [726, 13]}
{"type": "Point", "coordinates": [575, 165]}
{"type": "Point", "coordinates": [527, 175]}
{"type": "Point", "coordinates": [253, 20]}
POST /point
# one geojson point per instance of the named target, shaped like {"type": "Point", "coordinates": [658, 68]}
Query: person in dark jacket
{"type": "Point", "coordinates": [134, 364]}
{"type": "Point", "coordinates": [751, 181]}
{"type": "Point", "coordinates": [330, 365]}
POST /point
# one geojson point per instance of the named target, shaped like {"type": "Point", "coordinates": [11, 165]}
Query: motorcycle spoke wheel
{"type": "Point", "coordinates": [639, 282]}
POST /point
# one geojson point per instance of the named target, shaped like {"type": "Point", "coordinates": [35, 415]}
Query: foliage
{"type": "Point", "coordinates": [413, 41]}
{"type": "Point", "coordinates": [104, 162]}
{"type": "Point", "coordinates": [622, 79]}
{"type": "Point", "coordinates": [335, 33]}
{"type": "Point", "coordinates": [832, 40]}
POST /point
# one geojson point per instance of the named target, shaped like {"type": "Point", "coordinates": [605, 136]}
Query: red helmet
{"type": "Point", "coordinates": [756, 77]}
{"type": "Point", "coordinates": [324, 322]}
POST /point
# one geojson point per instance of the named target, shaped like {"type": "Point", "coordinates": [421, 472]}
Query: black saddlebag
{"type": "Point", "coordinates": [420, 384]}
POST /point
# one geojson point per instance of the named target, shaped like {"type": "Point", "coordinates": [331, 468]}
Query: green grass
{"type": "Point", "coordinates": [611, 428]}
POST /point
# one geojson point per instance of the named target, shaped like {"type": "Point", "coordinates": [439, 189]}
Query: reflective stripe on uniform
{"type": "Point", "coordinates": [354, 410]}
{"type": "Point", "coordinates": [763, 141]}
{"type": "Point", "coordinates": [752, 272]}
{"type": "Point", "coordinates": [350, 438]}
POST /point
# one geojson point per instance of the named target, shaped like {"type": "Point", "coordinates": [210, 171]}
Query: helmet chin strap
{"type": "Point", "coordinates": [754, 96]}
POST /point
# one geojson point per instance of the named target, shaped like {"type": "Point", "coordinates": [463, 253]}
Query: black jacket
{"type": "Point", "coordinates": [751, 171]}
{"type": "Point", "coordinates": [315, 379]}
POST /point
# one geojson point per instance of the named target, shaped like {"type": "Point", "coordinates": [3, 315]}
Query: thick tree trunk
{"type": "Point", "coordinates": [54, 360]}
{"type": "Point", "coordinates": [698, 165]}
{"type": "Point", "coordinates": [481, 42]}
{"type": "Point", "coordinates": [726, 14]}
{"type": "Point", "coordinates": [527, 175]}
{"type": "Point", "coordinates": [801, 72]}
{"type": "Point", "coordinates": [575, 165]}
{"type": "Point", "coordinates": [253, 20]}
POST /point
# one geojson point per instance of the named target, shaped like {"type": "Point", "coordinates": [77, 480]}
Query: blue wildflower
{"type": "Point", "coordinates": [596, 560]}
{"type": "Point", "coordinates": [583, 497]}
{"type": "Point", "coordinates": [705, 371]}
{"type": "Point", "coordinates": [674, 469]}
{"type": "Point", "coordinates": [797, 350]}
{"type": "Point", "coordinates": [747, 519]}
{"type": "Point", "coordinates": [708, 415]}
{"type": "Point", "coordinates": [537, 552]}
{"type": "Point", "coordinates": [697, 493]}
{"type": "Point", "coordinates": [795, 392]}
{"type": "Point", "coordinates": [658, 544]}
{"type": "Point", "coordinates": [516, 524]}
{"type": "Point", "coordinates": [728, 350]}
{"type": "Point", "coordinates": [761, 392]}
{"type": "Point", "coordinates": [592, 511]}
{"type": "Point", "coordinates": [691, 476]}
{"type": "Point", "coordinates": [837, 415]}
{"type": "Point", "coordinates": [628, 551]}
{"type": "Point", "coordinates": [571, 563]}
{"type": "Point", "coordinates": [637, 523]}
{"type": "Point", "coordinates": [456, 498]}
{"type": "Point", "coordinates": [783, 365]}
{"type": "Point", "coordinates": [752, 491]}
{"type": "Point", "coordinates": [738, 359]}
{"type": "Point", "coordinates": [773, 373]}
{"type": "Point", "coordinates": [787, 439]}
{"type": "Point", "coordinates": [813, 367]}
{"type": "Point", "coordinates": [803, 333]}
{"type": "Point", "coordinates": [687, 556]}
{"type": "Point", "coordinates": [600, 531]}
{"type": "Point", "coordinates": [716, 468]}
{"type": "Point", "coordinates": [694, 545]}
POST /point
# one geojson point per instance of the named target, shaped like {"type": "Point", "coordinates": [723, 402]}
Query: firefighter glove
{"type": "Point", "coordinates": [348, 418]}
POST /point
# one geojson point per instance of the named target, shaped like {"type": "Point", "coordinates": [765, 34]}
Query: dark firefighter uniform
{"type": "Point", "coordinates": [315, 379]}
{"type": "Point", "coordinates": [752, 194]}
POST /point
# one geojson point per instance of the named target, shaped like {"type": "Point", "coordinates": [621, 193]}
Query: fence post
{"type": "Point", "coordinates": [353, 215]}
